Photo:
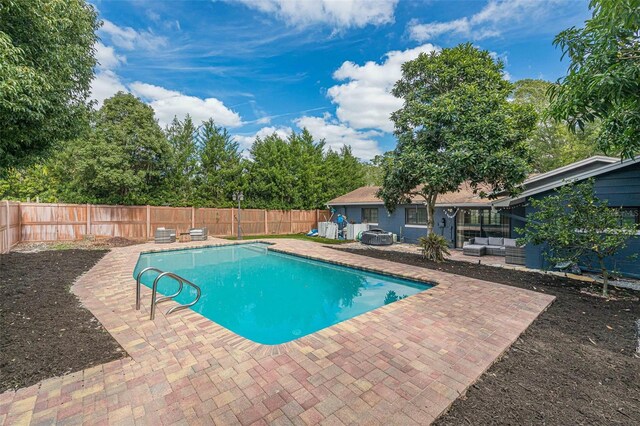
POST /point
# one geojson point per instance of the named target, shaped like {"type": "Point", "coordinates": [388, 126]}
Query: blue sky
{"type": "Point", "coordinates": [264, 66]}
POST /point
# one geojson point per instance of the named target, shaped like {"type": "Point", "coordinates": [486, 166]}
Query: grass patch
{"type": "Point", "coordinates": [292, 236]}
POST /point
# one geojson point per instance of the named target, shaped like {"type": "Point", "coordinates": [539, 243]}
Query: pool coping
{"type": "Point", "coordinates": [402, 363]}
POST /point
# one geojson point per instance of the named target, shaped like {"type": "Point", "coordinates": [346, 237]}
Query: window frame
{"type": "Point", "coordinates": [417, 221]}
{"type": "Point", "coordinates": [370, 209]}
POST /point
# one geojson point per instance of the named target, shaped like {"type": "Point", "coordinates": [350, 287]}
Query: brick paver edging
{"type": "Point", "coordinates": [403, 363]}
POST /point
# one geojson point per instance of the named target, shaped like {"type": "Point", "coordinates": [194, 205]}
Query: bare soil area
{"type": "Point", "coordinates": [44, 330]}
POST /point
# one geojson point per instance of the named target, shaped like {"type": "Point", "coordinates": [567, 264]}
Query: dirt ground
{"type": "Point", "coordinates": [576, 364]}
{"type": "Point", "coordinates": [86, 244]}
{"type": "Point", "coordinates": [44, 330]}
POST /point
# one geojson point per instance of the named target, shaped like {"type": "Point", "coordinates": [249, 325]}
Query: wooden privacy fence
{"type": "Point", "coordinates": [9, 225]}
{"type": "Point", "coordinates": [66, 222]}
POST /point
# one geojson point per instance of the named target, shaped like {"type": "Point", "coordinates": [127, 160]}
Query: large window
{"type": "Point", "coordinates": [370, 215]}
{"type": "Point", "coordinates": [415, 216]}
{"type": "Point", "coordinates": [472, 223]}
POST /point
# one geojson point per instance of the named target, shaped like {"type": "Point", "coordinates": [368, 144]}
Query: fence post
{"type": "Point", "coordinates": [19, 222]}
{"type": "Point", "coordinates": [232, 221]}
{"type": "Point", "coordinates": [266, 222]}
{"type": "Point", "coordinates": [193, 217]}
{"type": "Point", "coordinates": [148, 222]}
{"type": "Point", "coordinates": [88, 219]}
{"type": "Point", "coordinates": [317, 218]}
{"type": "Point", "coordinates": [8, 228]}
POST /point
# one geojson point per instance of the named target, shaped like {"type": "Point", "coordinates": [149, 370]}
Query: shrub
{"type": "Point", "coordinates": [434, 247]}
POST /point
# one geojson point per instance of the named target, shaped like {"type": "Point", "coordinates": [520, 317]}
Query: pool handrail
{"type": "Point", "coordinates": [154, 302]}
{"type": "Point", "coordinates": [181, 281]}
{"type": "Point", "coordinates": [138, 283]}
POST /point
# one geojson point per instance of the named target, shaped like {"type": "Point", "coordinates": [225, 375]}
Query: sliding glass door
{"type": "Point", "coordinates": [472, 223]}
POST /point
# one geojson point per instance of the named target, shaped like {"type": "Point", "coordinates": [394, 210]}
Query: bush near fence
{"type": "Point", "coordinates": [35, 222]}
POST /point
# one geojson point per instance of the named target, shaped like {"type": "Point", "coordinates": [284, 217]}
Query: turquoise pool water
{"type": "Point", "coordinates": [269, 297]}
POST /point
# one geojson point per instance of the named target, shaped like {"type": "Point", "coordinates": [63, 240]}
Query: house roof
{"type": "Point", "coordinates": [591, 163]}
{"type": "Point", "coordinates": [535, 183]}
{"type": "Point", "coordinates": [366, 195]}
{"type": "Point", "coordinates": [559, 179]}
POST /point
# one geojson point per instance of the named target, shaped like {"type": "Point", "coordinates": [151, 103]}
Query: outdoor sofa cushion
{"type": "Point", "coordinates": [480, 241]}
{"type": "Point", "coordinates": [495, 250]}
{"type": "Point", "coordinates": [496, 241]}
{"type": "Point", "coordinates": [474, 250]}
{"type": "Point", "coordinates": [510, 242]}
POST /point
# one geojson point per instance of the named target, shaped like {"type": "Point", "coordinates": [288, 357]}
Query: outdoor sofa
{"type": "Point", "coordinates": [492, 246]}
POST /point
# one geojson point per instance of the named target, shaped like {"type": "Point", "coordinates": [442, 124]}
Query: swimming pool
{"type": "Point", "coordinates": [270, 297]}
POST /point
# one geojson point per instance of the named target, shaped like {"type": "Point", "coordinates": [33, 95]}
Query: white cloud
{"type": "Point", "coordinates": [107, 57]}
{"type": "Point", "coordinates": [128, 38]}
{"type": "Point", "coordinates": [422, 32]}
{"type": "Point", "coordinates": [337, 135]}
{"type": "Point", "coordinates": [245, 141]}
{"type": "Point", "coordinates": [169, 103]}
{"type": "Point", "coordinates": [339, 14]}
{"type": "Point", "coordinates": [105, 84]}
{"type": "Point", "coordinates": [365, 101]}
{"type": "Point", "coordinates": [496, 18]}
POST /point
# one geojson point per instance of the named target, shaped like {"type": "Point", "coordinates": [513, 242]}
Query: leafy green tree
{"type": "Point", "coordinates": [35, 182]}
{"type": "Point", "coordinates": [575, 226]}
{"type": "Point", "coordinates": [603, 81]}
{"type": "Point", "coordinates": [373, 173]}
{"type": "Point", "coordinates": [122, 160]}
{"type": "Point", "coordinates": [296, 174]}
{"type": "Point", "coordinates": [456, 125]}
{"type": "Point", "coordinates": [46, 68]}
{"type": "Point", "coordinates": [183, 165]}
{"type": "Point", "coordinates": [343, 173]}
{"type": "Point", "coordinates": [552, 144]}
{"type": "Point", "coordinates": [271, 182]}
{"type": "Point", "coordinates": [222, 166]}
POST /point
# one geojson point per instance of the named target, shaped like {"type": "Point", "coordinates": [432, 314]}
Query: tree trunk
{"type": "Point", "coordinates": [605, 277]}
{"type": "Point", "coordinates": [431, 209]}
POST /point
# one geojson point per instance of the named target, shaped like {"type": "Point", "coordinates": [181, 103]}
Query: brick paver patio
{"type": "Point", "coordinates": [404, 363]}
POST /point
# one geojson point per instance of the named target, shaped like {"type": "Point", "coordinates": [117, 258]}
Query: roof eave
{"type": "Point", "coordinates": [560, 182]}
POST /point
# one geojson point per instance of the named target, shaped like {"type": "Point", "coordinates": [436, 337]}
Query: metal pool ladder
{"type": "Point", "coordinates": [154, 291]}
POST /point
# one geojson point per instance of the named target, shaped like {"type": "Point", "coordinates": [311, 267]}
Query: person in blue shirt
{"type": "Point", "coordinates": [342, 223]}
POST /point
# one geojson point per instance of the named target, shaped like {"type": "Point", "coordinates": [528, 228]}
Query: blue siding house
{"type": "Point", "coordinates": [463, 215]}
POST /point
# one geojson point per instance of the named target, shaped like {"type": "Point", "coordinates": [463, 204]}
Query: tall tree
{"type": "Point", "coordinates": [603, 81]}
{"type": "Point", "coordinates": [343, 173]}
{"type": "Point", "coordinates": [373, 174]}
{"type": "Point", "coordinates": [183, 165]}
{"type": "Point", "coordinates": [294, 173]}
{"type": "Point", "coordinates": [123, 160]}
{"type": "Point", "coordinates": [456, 125]}
{"type": "Point", "coordinates": [271, 183]}
{"type": "Point", "coordinates": [221, 164]}
{"type": "Point", "coordinates": [306, 167]}
{"type": "Point", "coordinates": [35, 182]}
{"type": "Point", "coordinates": [552, 144]}
{"type": "Point", "coordinates": [46, 68]}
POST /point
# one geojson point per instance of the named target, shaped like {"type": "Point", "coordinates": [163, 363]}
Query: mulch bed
{"type": "Point", "coordinates": [576, 364]}
{"type": "Point", "coordinates": [44, 330]}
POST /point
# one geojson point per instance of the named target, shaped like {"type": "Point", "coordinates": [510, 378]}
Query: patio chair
{"type": "Point", "coordinates": [164, 236]}
{"type": "Point", "coordinates": [199, 234]}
